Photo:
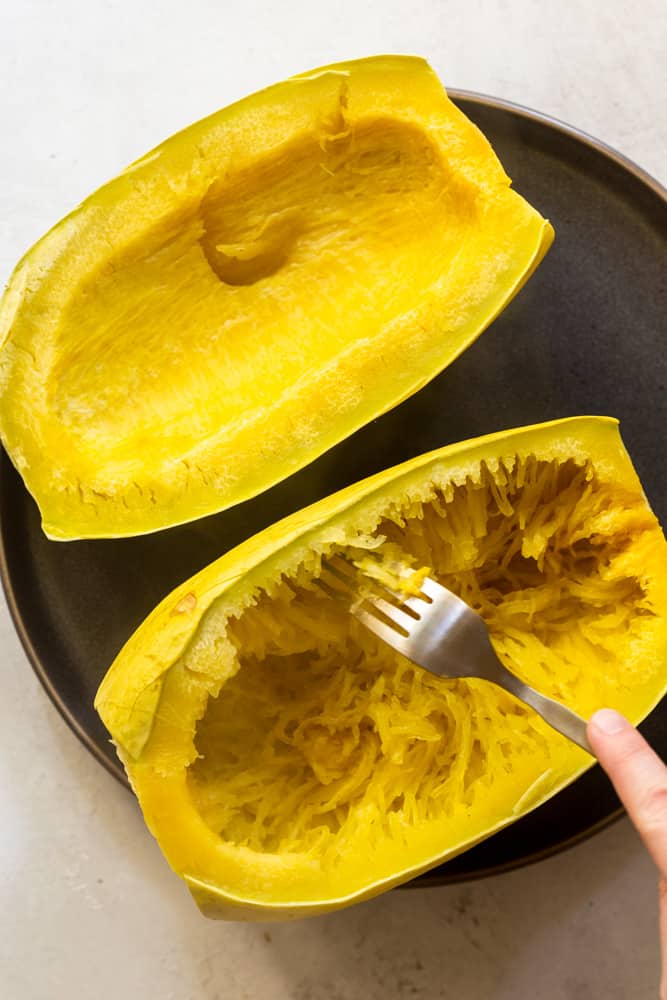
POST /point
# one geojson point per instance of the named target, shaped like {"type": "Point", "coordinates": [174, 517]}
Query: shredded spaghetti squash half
{"type": "Point", "coordinates": [289, 762]}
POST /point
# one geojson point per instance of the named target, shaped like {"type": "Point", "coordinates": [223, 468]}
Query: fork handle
{"type": "Point", "coordinates": [563, 719]}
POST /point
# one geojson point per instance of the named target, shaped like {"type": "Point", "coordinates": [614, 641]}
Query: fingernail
{"type": "Point", "coordinates": [609, 721]}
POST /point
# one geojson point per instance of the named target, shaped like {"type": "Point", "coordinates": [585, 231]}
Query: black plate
{"type": "Point", "coordinates": [586, 335]}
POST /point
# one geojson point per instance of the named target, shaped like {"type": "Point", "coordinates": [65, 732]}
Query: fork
{"type": "Point", "coordinates": [441, 633]}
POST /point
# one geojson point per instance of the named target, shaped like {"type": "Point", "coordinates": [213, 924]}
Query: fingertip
{"type": "Point", "coordinates": [611, 737]}
{"type": "Point", "coordinates": [609, 722]}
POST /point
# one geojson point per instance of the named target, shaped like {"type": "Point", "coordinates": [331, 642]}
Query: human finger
{"type": "Point", "coordinates": [638, 775]}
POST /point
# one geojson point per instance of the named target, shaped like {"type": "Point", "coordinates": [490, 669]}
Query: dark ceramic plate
{"type": "Point", "coordinates": [586, 335]}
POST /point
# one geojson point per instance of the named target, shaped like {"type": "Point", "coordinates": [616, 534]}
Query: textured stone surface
{"type": "Point", "coordinates": [88, 906]}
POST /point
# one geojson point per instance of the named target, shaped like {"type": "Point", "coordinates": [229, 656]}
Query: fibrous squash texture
{"type": "Point", "coordinates": [325, 737]}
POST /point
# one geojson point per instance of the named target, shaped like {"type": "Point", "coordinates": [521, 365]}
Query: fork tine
{"type": "Point", "coordinates": [399, 610]}
{"type": "Point", "coordinates": [431, 588]}
{"type": "Point", "coordinates": [382, 630]}
{"type": "Point", "coordinates": [335, 584]}
{"type": "Point", "coordinates": [337, 594]}
{"type": "Point", "coordinates": [349, 575]}
{"type": "Point", "coordinates": [341, 580]}
{"type": "Point", "coordinates": [342, 572]}
{"type": "Point", "coordinates": [418, 604]}
{"type": "Point", "coordinates": [406, 609]}
{"type": "Point", "coordinates": [337, 567]}
{"type": "Point", "coordinates": [395, 615]}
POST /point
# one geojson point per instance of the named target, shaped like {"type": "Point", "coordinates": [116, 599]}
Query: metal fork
{"type": "Point", "coordinates": [440, 632]}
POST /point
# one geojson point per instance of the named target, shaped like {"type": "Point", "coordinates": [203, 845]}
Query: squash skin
{"type": "Point", "coordinates": [141, 695]}
{"type": "Point", "coordinates": [90, 486]}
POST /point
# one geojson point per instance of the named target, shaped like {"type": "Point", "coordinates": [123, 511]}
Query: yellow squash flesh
{"type": "Point", "coordinates": [289, 763]}
{"type": "Point", "coordinates": [250, 293]}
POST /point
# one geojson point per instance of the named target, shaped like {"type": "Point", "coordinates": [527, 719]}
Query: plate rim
{"type": "Point", "coordinates": [436, 877]}
{"type": "Point", "coordinates": [558, 125]}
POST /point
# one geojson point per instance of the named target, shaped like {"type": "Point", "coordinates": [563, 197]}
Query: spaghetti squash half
{"type": "Point", "coordinates": [252, 292]}
{"type": "Point", "coordinates": [288, 762]}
